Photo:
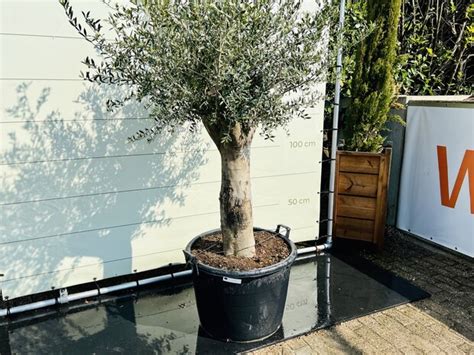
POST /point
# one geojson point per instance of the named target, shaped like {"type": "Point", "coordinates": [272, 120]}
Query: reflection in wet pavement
{"type": "Point", "coordinates": [324, 290]}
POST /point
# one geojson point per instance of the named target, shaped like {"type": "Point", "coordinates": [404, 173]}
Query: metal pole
{"type": "Point", "coordinates": [324, 290]}
{"type": "Point", "coordinates": [335, 127]}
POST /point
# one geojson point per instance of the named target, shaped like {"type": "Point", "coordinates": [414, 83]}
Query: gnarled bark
{"type": "Point", "coordinates": [236, 203]}
{"type": "Point", "coordinates": [235, 196]}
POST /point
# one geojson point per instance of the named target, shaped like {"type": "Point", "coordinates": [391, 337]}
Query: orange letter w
{"type": "Point", "coordinates": [467, 167]}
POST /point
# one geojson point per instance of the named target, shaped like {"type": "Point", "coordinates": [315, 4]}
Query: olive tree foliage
{"type": "Point", "coordinates": [233, 65]}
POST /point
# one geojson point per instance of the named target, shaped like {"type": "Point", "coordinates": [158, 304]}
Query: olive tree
{"type": "Point", "coordinates": [233, 66]}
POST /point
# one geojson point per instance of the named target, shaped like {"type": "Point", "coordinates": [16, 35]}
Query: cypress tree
{"type": "Point", "coordinates": [373, 87]}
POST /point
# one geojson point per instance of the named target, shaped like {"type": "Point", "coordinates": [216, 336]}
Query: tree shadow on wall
{"type": "Point", "coordinates": [75, 195]}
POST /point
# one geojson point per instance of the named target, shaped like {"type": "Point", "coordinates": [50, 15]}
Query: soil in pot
{"type": "Point", "coordinates": [269, 250]}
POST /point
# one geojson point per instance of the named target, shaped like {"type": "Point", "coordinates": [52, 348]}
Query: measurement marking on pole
{"type": "Point", "coordinates": [303, 144]}
{"type": "Point", "coordinates": [298, 201]}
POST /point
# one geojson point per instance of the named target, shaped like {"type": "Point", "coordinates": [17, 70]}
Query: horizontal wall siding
{"type": "Point", "coordinates": [77, 202]}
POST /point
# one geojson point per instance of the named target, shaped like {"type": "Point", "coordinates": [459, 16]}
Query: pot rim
{"type": "Point", "coordinates": [237, 273]}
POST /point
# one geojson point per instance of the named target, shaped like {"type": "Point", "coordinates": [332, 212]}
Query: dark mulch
{"type": "Point", "coordinates": [269, 250]}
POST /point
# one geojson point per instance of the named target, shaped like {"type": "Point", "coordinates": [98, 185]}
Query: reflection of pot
{"type": "Point", "coordinates": [209, 346]}
{"type": "Point", "coordinates": [241, 306]}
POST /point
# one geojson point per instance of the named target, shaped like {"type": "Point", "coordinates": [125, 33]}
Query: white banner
{"type": "Point", "coordinates": [437, 185]}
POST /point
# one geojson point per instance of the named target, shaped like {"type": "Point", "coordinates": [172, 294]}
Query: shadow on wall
{"type": "Point", "coordinates": [75, 194]}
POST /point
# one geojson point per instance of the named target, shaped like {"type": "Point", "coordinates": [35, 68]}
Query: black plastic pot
{"type": "Point", "coordinates": [241, 306]}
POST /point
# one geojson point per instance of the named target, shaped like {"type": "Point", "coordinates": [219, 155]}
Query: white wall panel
{"type": "Point", "coordinates": [77, 202]}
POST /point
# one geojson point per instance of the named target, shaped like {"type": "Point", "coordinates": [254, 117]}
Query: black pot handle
{"type": "Point", "coordinates": [288, 229]}
{"type": "Point", "coordinates": [191, 260]}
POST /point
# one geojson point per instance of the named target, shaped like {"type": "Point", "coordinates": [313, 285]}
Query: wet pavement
{"type": "Point", "coordinates": [324, 290]}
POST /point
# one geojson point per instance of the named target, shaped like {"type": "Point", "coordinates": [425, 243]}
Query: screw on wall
{"type": "Point", "coordinates": [98, 288]}
{"type": "Point", "coordinates": [2, 302]}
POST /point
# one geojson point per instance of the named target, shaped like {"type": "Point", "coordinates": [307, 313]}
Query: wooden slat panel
{"type": "Point", "coordinates": [358, 184]}
{"type": "Point", "coordinates": [381, 208]}
{"type": "Point", "coordinates": [359, 164]}
{"type": "Point", "coordinates": [355, 206]}
{"type": "Point", "coordinates": [352, 228]}
{"type": "Point", "coordinates": [336, 192]}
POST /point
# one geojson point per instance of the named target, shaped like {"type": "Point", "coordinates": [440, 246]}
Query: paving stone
{"type": "Point", "coordinates": [353, 324]}
{"type": "Point", "coordinates": [429, 326]}
{"type": "Point", "coordinates": [467, 348]}
{"type": "Point", "coordinates": [447, 334]}
{"type": "Point", "coordinates": [274, 350]}
{"type": "Point", "coordinates": [380, 333]}
{"type": "Point", "coordinates": [347, 331]}
{"type": "Point", "coordinates": [326, 345]}
{"type": "Point", "coordinates": [296, 343]}
{"type": "Point", "coordinates": [402, 317]}
{"type": "Point", "coordinates": [410, 350]}
{"type": "Point", "coordinates": [437, 310]}
{"type": "Point", "coordinates": [450, 349]}
{"type": "Point", "coordinates": [392, 332]}
{"type": "Point", "coordinates": [370, 321]}
{"type": "Point", "coordinates": [306, 350]}
{"type": "Point", "coordinates": [446, 283]}
{"type": "Point", "coordinates": [468, 282]}
{"type": "Point", "coordinates": [428, 286]}
{"type": "Point", "coordinates": [373, 338]}
{"type": "Point", "coordinates": [442, 297]}
{"type": "Point", "coordinates": [415, 315]}
{"type": "Point", "coordinates": [423, 338]}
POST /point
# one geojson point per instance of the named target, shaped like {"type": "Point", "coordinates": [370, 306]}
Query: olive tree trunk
{"type": "Point", "coordinates": [235, 197]}
{"type": "Point", "coordinates": [236, 202]}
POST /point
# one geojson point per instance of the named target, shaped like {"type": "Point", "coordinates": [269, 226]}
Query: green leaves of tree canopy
{"type": "Point", "coordinates": [221, 62]}
{"type": "Point", "coordinates": [435, 41]}
{"type": "Point", "coordinates": [373, 87]}
{"type": "Point", "coordinates": [436, 48]}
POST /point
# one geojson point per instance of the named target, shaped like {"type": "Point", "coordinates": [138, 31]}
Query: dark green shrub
{"type": "Point", "coordinates": [372, 86]}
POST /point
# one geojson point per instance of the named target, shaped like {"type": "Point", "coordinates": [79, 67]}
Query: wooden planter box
{"type": "Point", "coordinates": [360, 200]}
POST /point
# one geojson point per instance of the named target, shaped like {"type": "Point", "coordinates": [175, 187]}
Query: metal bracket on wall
{"type": "Point", "coordinates": [2, 302]}
{"type": "Point", "coordinates": [97, 287]}
{"type": "Point", "coordinates": [63, 296]}
{"type": "Point", "coordinates": [325, 236]}
{"type": "Point", "coordinates": [326, 160]}
{"type": "Point", "coordinates": [325, 192]}
{"type": "Point", "coordinates": [324, 220]}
